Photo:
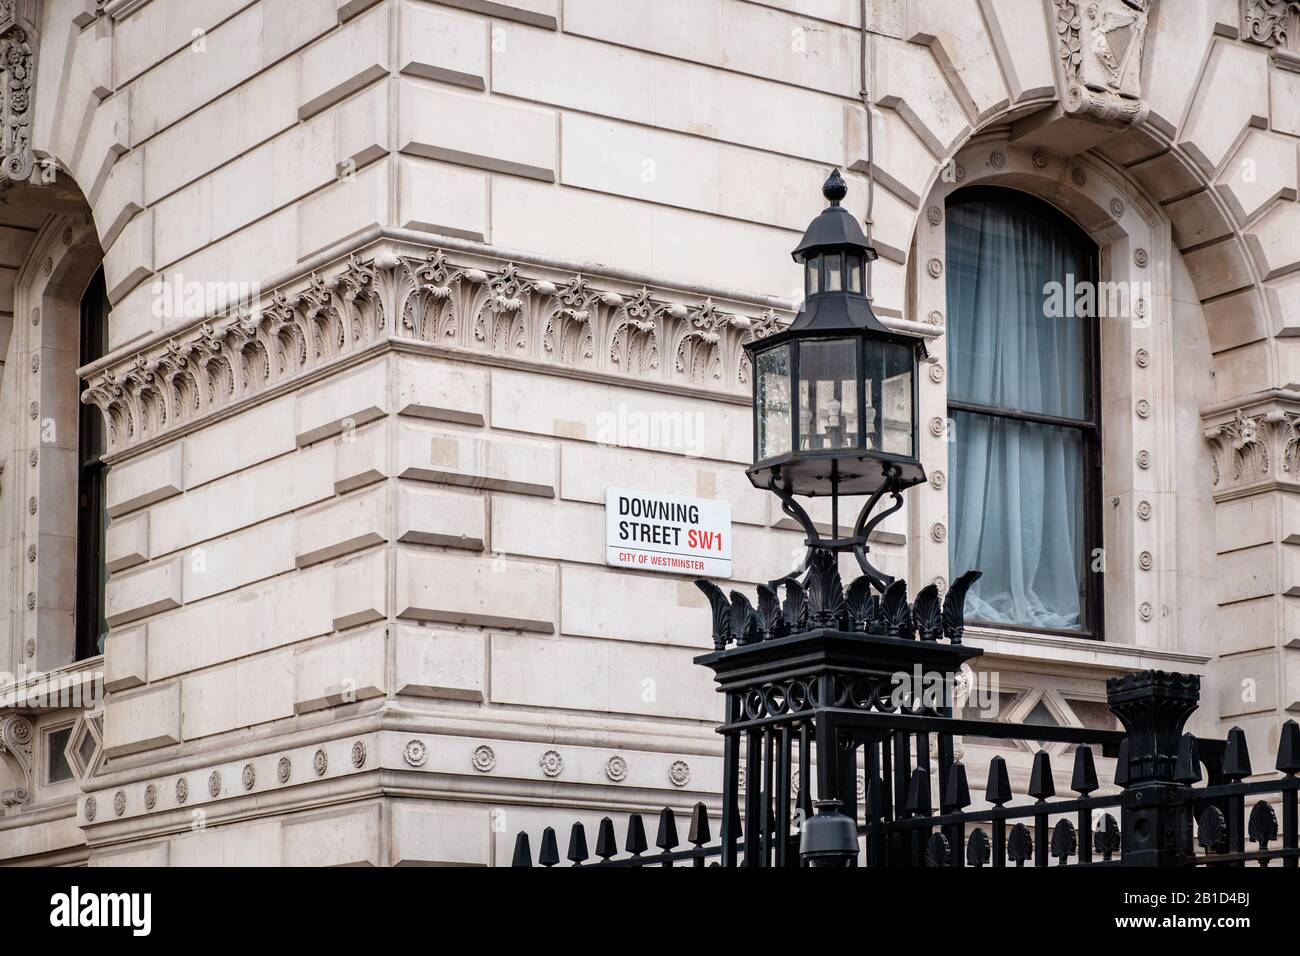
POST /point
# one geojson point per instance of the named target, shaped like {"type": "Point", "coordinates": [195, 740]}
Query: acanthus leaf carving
{"type": "Point", "coordinates": [293, 332]}
{"type": "Point", "coordinates": [501, 319]}
{"type": "Point", "coordinates": [1251, 446]}
{"type": "Point", "coordinates": [569, 338]}
{"type": "Point", "coordinates": [634, 338]}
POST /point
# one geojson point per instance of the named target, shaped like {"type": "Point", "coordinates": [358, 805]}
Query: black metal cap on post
{"type": "Point", "coordinates": [829, 838]}
{"type": "Point", "coordinates": [1153, 707]}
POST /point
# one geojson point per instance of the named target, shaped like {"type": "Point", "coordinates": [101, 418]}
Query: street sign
{"type": "Point", "coordinates": [668, 534]}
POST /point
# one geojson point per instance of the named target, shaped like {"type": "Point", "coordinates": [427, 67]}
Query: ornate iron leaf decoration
{"type": "Point", "coordinates": [954, 606]}
{"type": "Point", "coordinates": [1020, 845]}
{"type": "Point", "coordinates": [937, 851]}
{"type": "Point", "coordinates": [769, 612]}
{"type": "Point", "coordinates": [862, 604]}
{"type": "Point", "coordinates": [978, 849]}
{"type": "Point", "coordinates": [927, 614]}
{"type": "Point", "coordinates": [1064, 840]}
{"type": "Point", "coordinates": [895, 611]}
{"type": "Point", "coordinates": [795, 609]}
{"type": "Point", "coordinates": [1263, 824]}
{"type": "Point", "coordinates": [1106, 837]}
{"type": "Point", "coordinates": [744, 620]}
{"type": "Point", "coordinates": [721, 613]}
{"type": "Point", "coordinates": [1212, 831]}
{"type": "Point", "coordinates": [825, 592]}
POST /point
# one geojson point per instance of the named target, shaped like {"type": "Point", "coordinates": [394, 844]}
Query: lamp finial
{"type": "Point", "coordinates": [836, 188]}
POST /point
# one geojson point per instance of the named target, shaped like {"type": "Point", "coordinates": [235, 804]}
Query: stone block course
{"type": "Point", "coordinates": [439, 44]}
{"type": "Point", "coordinates": [476, 131]}
{"type": "Point", "coordinates": [439, 662]}
{"type": "Point", "coordinates": [441, 517]}
{"type": "Point", "coordinates": [137, 594]}
{"type": "Point", "coordinates": [242, 694]}
{"type": "Point", "coordinates": [476, 460]}
{"type": "Point", "coordinates": [142, 720]}
{"type": "Point", "coordinates": [341, 670]}
{"type": "Point", "coordinates": [347, 60]}
{"type": "Point", "coordinates": [496, 592]}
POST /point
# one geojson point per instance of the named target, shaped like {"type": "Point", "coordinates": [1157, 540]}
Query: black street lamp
{"type": "Point", "coordinates": [835, 394]}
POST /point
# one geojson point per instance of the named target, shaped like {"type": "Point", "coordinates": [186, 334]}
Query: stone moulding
{"type": "Point", "coordinates": [568, 322]}
{"type": "Point", "coordinates": [1100, 46]}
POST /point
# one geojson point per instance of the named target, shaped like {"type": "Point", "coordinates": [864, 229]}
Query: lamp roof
{"type": "Point", "coordinates": [835, 229]}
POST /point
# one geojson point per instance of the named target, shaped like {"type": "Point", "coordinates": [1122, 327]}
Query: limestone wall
{"type": "Point", "coordinates": [359, 607]}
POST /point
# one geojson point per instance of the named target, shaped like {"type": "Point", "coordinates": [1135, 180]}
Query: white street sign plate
{"type": "Point", "coordinates": [665, 533]}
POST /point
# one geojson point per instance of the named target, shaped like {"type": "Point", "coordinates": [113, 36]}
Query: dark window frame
{"type": "Point", "coordinates": [92, 574]}
{"type": "Point", "coordinates": [1092, 601]}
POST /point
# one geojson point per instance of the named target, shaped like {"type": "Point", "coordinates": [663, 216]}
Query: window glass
{"type": "Point", "coordinates": [1017, 342]}
{"type": "Point", "coordinates": [56, 761]}
{"type": "Point", "coordinates": [92, 515]}
{"type": "Point", "coordinates": [1022, 435]}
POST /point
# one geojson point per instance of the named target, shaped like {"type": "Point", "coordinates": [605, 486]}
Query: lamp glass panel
{"type": "Point", "coordinates": [814, 270]}
{"type": "Point", "coordinates": [828, 395]}
{"type": "Point", "coordinates": [773, 401]}
{"type": "Point", "coordinates": [834, 279]}
{"type": "Point", "coordinates": [890, 412]}
{"type": "Point", "coordinates": [855, 274]}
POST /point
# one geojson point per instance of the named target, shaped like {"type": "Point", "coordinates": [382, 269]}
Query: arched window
{"type": "Point", "coordinates": [1024, 444]}
{"type": "Point", "coordinates": [92, 513]}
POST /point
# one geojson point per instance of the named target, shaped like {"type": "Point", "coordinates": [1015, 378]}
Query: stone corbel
{"type": "Point", "coordinates": [16, 736]}
{"type": "Point", "coordinates": [18, 73]}
{"type": "Point", "coordinates": [1254, 446]}
{"type": "Point", "coordinates": [1100, 45]}
{"type": "Point", "coordinates": [1268, 22]}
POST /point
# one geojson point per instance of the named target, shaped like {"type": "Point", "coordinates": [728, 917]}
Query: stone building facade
{"type": "Point", "coordinates": [395, 290]}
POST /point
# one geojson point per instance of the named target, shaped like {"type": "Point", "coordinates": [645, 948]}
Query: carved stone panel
{"type": "Point", "coordinates": [1270, 22]}
{"type": "Point", "coordinates": [17, 88]}
{"type": "Point", "coordinates": [1100, 44]}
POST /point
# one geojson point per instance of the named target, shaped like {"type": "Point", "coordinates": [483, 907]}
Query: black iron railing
{"type": "Point", "coordinates": [817, 694]}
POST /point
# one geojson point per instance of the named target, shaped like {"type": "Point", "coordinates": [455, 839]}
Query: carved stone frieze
{"type": "Point", "coordinates": [1100, 45]}
{"type": "Point", "coordinates": [460, 307]}
{"type": "Point", "coordinates": [1269, 22]}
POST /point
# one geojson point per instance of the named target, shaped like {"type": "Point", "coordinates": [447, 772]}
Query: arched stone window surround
{"type": "Point", "coordinates": [1139, 418]}
{"type": "Point", "coordinates": [38, 509]}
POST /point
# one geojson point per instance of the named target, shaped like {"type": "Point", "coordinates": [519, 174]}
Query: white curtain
{"type": "Point", "coordinates": [1016, 488]}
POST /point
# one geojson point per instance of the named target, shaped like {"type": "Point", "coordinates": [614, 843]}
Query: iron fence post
{"type": "Point", "coordinates": [1156, 812]}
